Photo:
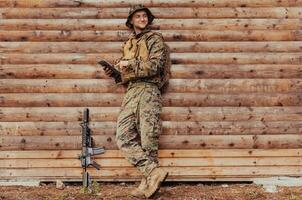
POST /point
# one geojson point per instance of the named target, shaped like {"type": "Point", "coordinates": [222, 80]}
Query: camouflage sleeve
{"type": "Point", "coordinates": [142, 69]}
{"type": "Point", "coordinates": [122, 55]}
{"type": "Point", "coordinates": [119, 82]}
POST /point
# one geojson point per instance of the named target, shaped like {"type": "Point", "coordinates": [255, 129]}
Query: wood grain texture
{"type": "Point", "coordinates": [232, 110]}
{"type": "Point", "coordinates": [175, 47]}
{"type": "Point", "coordinates": [213, 86]}
{"type": "Point", "coordinates": [159, 12]}
{"type": "Point", "coordinates": [176, 58]}
{"type": "Point", "coordinates": [178, 71]}
{"type": "Point", "coordinates": [162, 153]}
{"type": "Point", "coordinates": [57, 114]}
{"type": "Point", "coordinates": [169, 99]}
{"type": "Point", "coordinates": [149, 3]}
{"type": "Point", "coordinates": [169, 128]}
{"type": "Point", "coordinates": [165, 142]}
{"type": "Point", "coordinates": [169, 35]}
{"type": "Point", "coordinates": [176, 172]}
{"type": "Point", "coordinates": [161, 24]}
{"type": "Point", "coordinates": [164, 162]}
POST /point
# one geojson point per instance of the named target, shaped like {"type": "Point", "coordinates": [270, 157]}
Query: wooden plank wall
{"type": "Point", "coordinates": [232, 112]}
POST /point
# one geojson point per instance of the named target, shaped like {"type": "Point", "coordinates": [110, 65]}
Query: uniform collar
{"type": "Point", "coordinates": [146, 30]}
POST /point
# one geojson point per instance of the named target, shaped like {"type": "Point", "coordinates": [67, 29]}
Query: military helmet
{"type": "Point", "coordinates": [136, 8]}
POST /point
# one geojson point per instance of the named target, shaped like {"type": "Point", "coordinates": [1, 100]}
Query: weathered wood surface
{"type": "Point", "coordinates": [176, 58]}
{"type": "Point", "coordinates": [174, 172]}
{"type": "Point", "coordinates": [214, 164]}
{"type": "Point", "coordinates": [175, 47]}
{"type": "Point", "coordinates": [214, 86]}
{"type": "Point", "coordinates": [56, 114]}
{"type": "Point", "coordinates": [179, 71]}
{"type": "Point", "coordinates": [232, 110]}
{"type": "Point", "coordinates": [160, 12]}
{"type": "Point", "coordinates": [165, 162]}
{"type": "Point", "coordinates": [163, 153]}
{"type": "Point", "coordinates": [162, 24]}
{"type": "Point", "coordinates": [165, 142]}
{"type": "Point", "coordinates": [169, 99]}
{"type": "Point", "coordinates": [169, 35]}
{"type": "Point", "coordinates": [149, 3]}
{"type": "Point", "coordinates": [169, 128]}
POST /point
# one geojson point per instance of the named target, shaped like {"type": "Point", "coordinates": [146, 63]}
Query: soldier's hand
{"type": "Point", "coordinates": [108, 71]}
{"type": "Point", "coordinates": [123, 64]}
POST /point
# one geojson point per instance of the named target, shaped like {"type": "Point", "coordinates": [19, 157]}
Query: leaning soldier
{"type": "Point", "coordinates": [144, 69]}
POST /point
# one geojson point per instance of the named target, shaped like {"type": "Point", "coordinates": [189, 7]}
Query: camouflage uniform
{"type": "Point", "coordinates": [138, 124]}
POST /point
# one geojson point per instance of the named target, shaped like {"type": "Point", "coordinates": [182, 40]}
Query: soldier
{"type": "Point", "coordinates": [144, 68]}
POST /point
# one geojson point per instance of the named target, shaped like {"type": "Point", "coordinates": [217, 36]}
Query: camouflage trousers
{"type": "Point", "coordinates": [139, 125]}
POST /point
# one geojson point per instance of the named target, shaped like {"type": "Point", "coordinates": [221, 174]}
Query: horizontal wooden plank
{"type": "Point", "coordinates": [169, 99]}
{"type": "Point", "coordinates": [159, 12]}
{"type": "Point", "coordinates": [236, 58]}
{"type": "Point", "coordinates": [67, 58]}
{"type": "Point", "coordinates": [169, 128]}
{"type": "Point", "coordinates": [220, 141]}
{"type": "Point", "coordinates": [165, 142]}
{"type": "Point", "coordinates": [235, 71]}
{"type": "Point", "coordinates": [54, 128]}
{"type": "Point", "coordinates": [213, 86]}
{"type": "Point", "coordinates": [165, 162]}
{"type": "Point", "coordinates": [173, 171]}
{"type": "Point", "coordinates": [199, 71]}
{"type": "Point", "coordinates": [62, 47]}
{"type": "Point", "coordinates": [131, 179]}
{"type": "Point", "coordinates": [57, 114]}
{"type": "Point", "coordinates": [60, 100]}
{"type": "Point", "coordinates": [232, 113]}
{"type": "Point", "coordinates": [162, 153]}
{"type": "Point", "coordinates": [149, 3]}
{"type": "Point", "coordinates": [230, 128]}
{"type": "Point", "coordinates": [49, 85]}
{"type": "Point", "coordinates": [176, 58]}
{"type": "Point", "coordinates": [175, 47]}
{"type": "Point", "coordinates": [169, 35]}
{"type": "Point", "coordinates": [162, 24]}
{"type": "Point", "coordinates": [207, 47]}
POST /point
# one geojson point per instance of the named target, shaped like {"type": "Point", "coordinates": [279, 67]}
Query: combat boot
{"type": "Point", "coordinates": [156, 177]}
{"type": "Point", "coordinates": [139, 191]}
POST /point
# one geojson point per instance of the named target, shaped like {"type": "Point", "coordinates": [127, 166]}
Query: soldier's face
{"type": "Point", "coordinates": [140, 19]}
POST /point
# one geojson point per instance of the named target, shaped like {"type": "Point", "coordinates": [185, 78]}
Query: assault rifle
{"type": "Point", "coordinates": [88, 150]}
{"type": "Point", "coordinates": [114, 72]}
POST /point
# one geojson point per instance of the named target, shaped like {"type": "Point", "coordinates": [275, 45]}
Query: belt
{"type": "Point", "coordinates": [141, 83]}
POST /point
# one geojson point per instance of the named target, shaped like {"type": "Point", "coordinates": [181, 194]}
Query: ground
{"type": "Point", "coordinates": [119, 191]}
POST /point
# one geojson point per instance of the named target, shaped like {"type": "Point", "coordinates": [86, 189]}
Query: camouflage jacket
{"type": "Point", "coordinates": [148, 59]}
